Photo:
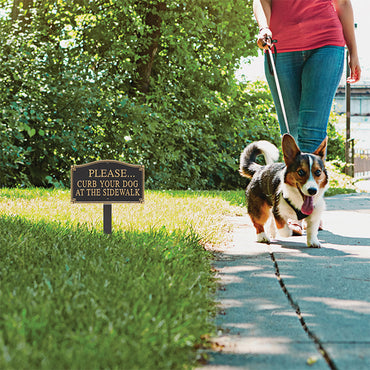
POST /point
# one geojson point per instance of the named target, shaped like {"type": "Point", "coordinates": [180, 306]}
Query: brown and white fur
{"type": "Point", "coordinates": [290, 190]}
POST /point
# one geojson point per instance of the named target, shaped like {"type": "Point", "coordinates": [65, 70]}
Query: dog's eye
{"type": "Point", "coordinates": [301, 172]}
{"type": "Point", "coordinates": [317, 173]}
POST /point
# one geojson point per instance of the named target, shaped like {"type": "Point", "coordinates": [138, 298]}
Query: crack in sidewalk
{"type": "Point", "coordinates": [297, 309]}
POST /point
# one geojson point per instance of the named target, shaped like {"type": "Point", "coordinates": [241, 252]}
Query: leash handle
{"type": "Point", "coordinates": [264, 43]}
{"type": "Point", "coordinates": [272, 64]}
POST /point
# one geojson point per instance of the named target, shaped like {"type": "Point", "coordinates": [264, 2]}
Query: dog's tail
{"type": "Point", "coordinates": [248, 165]}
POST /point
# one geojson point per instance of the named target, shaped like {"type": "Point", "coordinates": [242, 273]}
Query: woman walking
{"type": "Point", "coordinates": [311, 36]}
{"type": "Point", "coordinates": [309, 58]}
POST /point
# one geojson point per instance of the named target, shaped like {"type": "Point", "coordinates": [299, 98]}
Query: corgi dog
{"type": "Point", "coordinates": [291, 190]}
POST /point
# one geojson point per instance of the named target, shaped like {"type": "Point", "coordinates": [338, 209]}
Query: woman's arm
{"type": "Point", "coordinates": [262, 12]}
{"type": "Point", "coordinates": [345, 14]}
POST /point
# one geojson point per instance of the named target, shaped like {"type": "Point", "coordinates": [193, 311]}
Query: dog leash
{"type": "Point", "coordinates": [272, 64]}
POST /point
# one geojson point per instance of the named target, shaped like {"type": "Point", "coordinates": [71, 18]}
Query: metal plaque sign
{"type": "Point", "coordinates": [107, 181]}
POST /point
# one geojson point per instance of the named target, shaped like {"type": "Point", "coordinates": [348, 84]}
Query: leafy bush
{"type": "Point", "coordinates": [67, 118]}
{"type": "Point", "coordinates": [336, 141]}
{"type": "Point", "coordinates": [45, 113]}
{"type": "Point", "coordinates": [180, 153]}
{"type": "Point", "coordinates": [81, 83]}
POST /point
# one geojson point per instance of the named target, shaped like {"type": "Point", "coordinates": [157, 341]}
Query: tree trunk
{"type": "Point", "coordinates": [145, 64]}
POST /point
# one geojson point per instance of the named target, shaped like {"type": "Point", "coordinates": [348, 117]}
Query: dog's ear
{"type": "Point", "coordinates": [290, 149]}
{"type": "Point", "coordinates": [321, 150]}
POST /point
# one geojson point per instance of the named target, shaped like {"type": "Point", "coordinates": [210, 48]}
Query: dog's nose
{"type": "Point", "coordinates": [312, 191]}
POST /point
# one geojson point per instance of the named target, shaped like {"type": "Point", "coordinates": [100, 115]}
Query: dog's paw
{"type": "Point", "coordinates": [285, 231]}
{"type": "Point", "coordinates": [263, 238]}
{"type": "Point", "coordinates": [313, 243]}
{"type": "Point", "coordinates": [312, 230]}
{"type": "Point", "coordinates": [318, 245]}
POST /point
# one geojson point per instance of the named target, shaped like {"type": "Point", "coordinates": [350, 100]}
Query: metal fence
{"type": "Point", "coordinates": [362, 163]}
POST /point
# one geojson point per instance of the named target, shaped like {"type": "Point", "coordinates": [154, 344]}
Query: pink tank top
{"type": "Point", "coordinates": [305, 24]}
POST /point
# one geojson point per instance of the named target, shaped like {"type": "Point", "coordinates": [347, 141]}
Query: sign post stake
{"type": "Point", "coordinates": [107, 218]}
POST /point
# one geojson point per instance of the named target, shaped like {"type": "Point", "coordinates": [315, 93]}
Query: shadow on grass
{"type": "Point", "coordinates": [76, 298]}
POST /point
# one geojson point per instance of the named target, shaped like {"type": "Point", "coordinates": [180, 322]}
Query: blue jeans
{"type": "Point", "coordinates": [308, 81]}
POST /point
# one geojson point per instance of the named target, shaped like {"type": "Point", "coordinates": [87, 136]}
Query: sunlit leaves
{"type": "Point", "coordinates": [72, 89]}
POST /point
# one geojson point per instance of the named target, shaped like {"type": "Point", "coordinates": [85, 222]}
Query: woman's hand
{"type": "Point", "coordinates": [345, 14]}
{"type": "Point", "coordinates": [354, 65]}
{"type": "Point", "coordinates": [264, 38]}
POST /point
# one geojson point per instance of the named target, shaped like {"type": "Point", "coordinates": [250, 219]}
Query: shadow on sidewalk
{"type": "Point", "coordinates": [348, 202]}
{"type": "Point", "coordinates": [259, 327]}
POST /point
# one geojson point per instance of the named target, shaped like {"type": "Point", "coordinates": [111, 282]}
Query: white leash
{"type": "Point", "coordinates": [278, 89]}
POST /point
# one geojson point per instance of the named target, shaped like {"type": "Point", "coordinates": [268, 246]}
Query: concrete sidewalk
{"type": "Point", "coordinates": [286, 306]}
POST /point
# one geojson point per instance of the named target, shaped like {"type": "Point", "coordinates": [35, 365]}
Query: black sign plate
{"type": "Point", "coordinates": [107, 182]}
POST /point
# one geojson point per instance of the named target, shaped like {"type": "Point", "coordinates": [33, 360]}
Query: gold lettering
{"type": "Point", "coordinates": [79, 192]}
{"type": "Point", "coordinates": [120, 172]}
{"type": "Point", "coordinates": [111, 192]}
{"type": "Point", "coordinates": [93, 192]}
{"type": "Point", "coordinates": [109, 183]}
{"type": "Point", "coordinates": [130, 183]}
{"type": "Point", "coordinates": [103, 172]}
{"type": "Point", "coordinates": [86, 183]}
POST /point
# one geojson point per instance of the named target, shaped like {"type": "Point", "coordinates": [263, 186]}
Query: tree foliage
{"type": "Point", "coordinates": [149, 82]}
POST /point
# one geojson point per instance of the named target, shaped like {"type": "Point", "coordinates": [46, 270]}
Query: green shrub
{"type": "Point", "coordinates": [70, 92]}
{"type": "Point", "coordinates": [179, 152]}
{"type": "Point", "coordinates": [336, 142]}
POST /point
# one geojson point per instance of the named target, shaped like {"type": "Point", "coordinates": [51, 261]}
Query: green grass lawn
{"type": "Point", "coordinates": [72, 297]}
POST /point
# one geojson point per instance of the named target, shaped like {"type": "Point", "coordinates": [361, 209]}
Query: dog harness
{"type": "Point", "coordinates": [298, 212]}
